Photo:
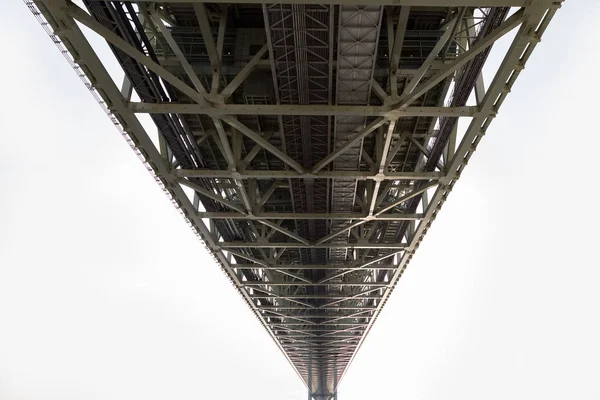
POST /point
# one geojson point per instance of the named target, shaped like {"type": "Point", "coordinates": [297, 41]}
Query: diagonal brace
{"type": "Point", "coordinates": [243, 74]}
{"type": "Point", "coordinates": [357, 137]}
{"type": "Point", "coordinates": [511, 22]}
{"type": "Point", "coordinates": [262, 142]}
{"type": "Point", "coordinates": [87, 20]}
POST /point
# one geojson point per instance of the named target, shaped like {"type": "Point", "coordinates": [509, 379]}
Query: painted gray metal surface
{"type": "Point", "coordinates": [309, 146]}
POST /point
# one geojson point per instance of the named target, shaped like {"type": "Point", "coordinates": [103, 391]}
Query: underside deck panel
{"type": "Point", "coordinates": [310, 146]}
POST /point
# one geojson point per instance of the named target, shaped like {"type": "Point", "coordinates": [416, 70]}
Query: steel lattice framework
{"type": "Point", "coordinates": [310, 146]}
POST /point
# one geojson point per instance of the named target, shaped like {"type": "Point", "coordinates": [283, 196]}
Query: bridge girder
{"type": "Point", "coordinates": [240, 173]}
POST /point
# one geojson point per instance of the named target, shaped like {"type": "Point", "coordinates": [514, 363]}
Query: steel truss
{"type": "Point", "coordinates": [309, 146]}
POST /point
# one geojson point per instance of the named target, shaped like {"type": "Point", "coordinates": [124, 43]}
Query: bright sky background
{"type": "Point", "coordinates": [105, 294]}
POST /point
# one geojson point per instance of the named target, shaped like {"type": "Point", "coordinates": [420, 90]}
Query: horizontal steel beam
{"type": "Point", "coordinates": [322, 359]}
{"type": "Point", "coordinates": [316, 297]}
{"type": "Point", "coordinates": [316, 341]}
{"type": "Point", "coordinates": [332, 267]}
{"type": "Point", "coordinates": [288, 174]}
{"type": "Point", "coordinates": [173, 64]}
{"type": "Point", "coordinates": [313, 297]}
{"type": "Point", "coordinates": [327, 324]}
{"type": "Point", "coordinates": [334, 308]}
{"type": "Point", "coordinates": [289, 308]}
{"type": "Point", "coordinates": [295, 337]}
{"type": "Point", "coordinates": [217, 110]}
{"type": "Point", "coordinates": [296, 283]}
{"type": "Point", "coordinates": [311, 216]}
{"type": "Point", "coordinates": [296, 245]}
{"type": "Point", "coordinates": [317, 357]}
{"type": "Point", "coordinates": [428, 3]}
{"type": "Point", "coordinates": [308, 346]}
{"type": "Point", "coordinates": [326, 316]}
{"type": "Point", "coordinates": [310, 327]}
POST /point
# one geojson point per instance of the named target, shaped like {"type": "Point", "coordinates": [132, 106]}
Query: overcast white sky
{"type": "Point", "coordinates": [105, 294]}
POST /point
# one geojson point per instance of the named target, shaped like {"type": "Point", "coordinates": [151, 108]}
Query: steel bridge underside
{"type": "Point", "coordinates": [310, 146]}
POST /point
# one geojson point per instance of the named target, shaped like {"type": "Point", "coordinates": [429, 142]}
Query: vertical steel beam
{"type": "Point", "coordinates": [207, 34]}
{"type": "Point", "coordinates": [216, 81]}
{"type": "Point", "coordinates": [458, 17]}
{"type": "Point", "coordinates": [479, 89]}
{"type": "Point", "coordinates": [177, 51]}
{"type": "Point", "coordinates": [479, 83]}
{"type": "Point", "coordinates": [431, 57]}
{"type": "Point", "coordinates": [227, 151]}
{"type": "Point", "coordinates": [397, 48]}
{"type": "Point", "coordinates": [126, 89]}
